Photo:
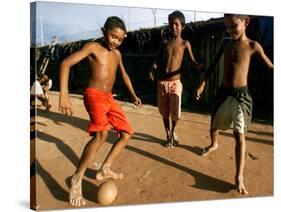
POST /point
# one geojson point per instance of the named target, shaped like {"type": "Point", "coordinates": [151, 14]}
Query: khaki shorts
{"type": "Point", "coordinates": [169, 98]}
{"type": "Point", "coordinates": [229, 112]}
{"type": "Point", "coordinates": [233, 106]}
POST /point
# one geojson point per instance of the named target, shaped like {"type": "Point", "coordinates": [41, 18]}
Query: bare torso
{"type": "Point", "coordinates": [172, 59]}
{"type": "Point", "coordinates": [237, 55]}
{"type": "Point", "coordinates": [103, 66]}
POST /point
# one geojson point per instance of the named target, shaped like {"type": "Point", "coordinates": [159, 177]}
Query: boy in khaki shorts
{"type": "Point", "coordinates": [168, 64]}
{"type": "Point", "coordinates": [233, 102]}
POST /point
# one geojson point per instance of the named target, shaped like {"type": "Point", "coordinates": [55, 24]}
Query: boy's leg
{"type": "Point", "coordinates": [115, 151]}
{"type": "Point", "coordinates": [42, 99]}
{"type": "Point", "coordinates": [174, 137]}
{"type": "Point", "coordinates": [75, 192]}
{"type": "Point", "coordinates": [240, 153]}
{"type": "Point", "coordinates": [214, 143]}
{"type": "Point", "coordinates": [48, 105]}
{"type": "Point", "coordinates": [163, 104]}
{"type": "Point", "coordinates": [175, 108]}
{"type": "Point", "coordinates": [166, 122]}
{"type": "Point", "coordinates": [221, 119]}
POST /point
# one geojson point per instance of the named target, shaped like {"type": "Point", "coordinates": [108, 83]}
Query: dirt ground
{"type": "Point", "coordinates": [153, 173]}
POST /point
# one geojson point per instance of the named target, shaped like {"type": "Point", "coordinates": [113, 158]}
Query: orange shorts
{"type": "Point", "coordinates": [104, 112]}
{"type": "Point", "coordinates": [169, 98]}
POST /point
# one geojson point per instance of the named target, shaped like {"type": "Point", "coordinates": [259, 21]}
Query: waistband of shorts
{"type": "Point", "coordinates": [236, 89]}
{"type": "Point", "coordinates": [90, 90]}
{"type": "Point", "coordinates": [169, 81]}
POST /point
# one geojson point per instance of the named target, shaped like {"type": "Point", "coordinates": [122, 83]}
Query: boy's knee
{"type": "Point", "coordinates": [104, 135]}
{"type": "Point", "coordinates": [214, 131]}
{"type": "Point", "coordinates": [101, 136]}
{"type": "Point", "coordinates": [125, 136]}
{"type": "Point", "coordinates": [239, 137]}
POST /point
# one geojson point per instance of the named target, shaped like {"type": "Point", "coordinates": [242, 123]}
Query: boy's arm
{"type": "Point", "coordinates": [210, 68]}
{"type": "Point", "coordinates": [157, 62]}
{"type": "Point", "coordinates": [152, 71]}
{"type": "Point", "coordinates": [194, 63]}
{"type": "Point", "coordinates": [127, 81]}
{"type": "Point", "coordinates": [260, 53]}
{"type": "Point", "coordinates": [64, 101]}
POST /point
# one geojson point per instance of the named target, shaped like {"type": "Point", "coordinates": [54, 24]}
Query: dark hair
{"type": "Point", "coordinates": [114, 22]}
{"type": "Point", "coordinates": [177, 14]}
{"type": "Point", "coordinates": [43, 76]}
{"type": "Point", "coordinates": [240, 16]}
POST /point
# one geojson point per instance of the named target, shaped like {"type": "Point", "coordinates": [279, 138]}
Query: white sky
{"type": "Point", "coordinates": [68, 19]}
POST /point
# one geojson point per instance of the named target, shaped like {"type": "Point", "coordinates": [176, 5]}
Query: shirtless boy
{"type": "Point", "coordinates": [104, 59]}
{"type": "Point", "coordinates": [169, 87]}
{"type": "Point", "coordinates": [233, 102]}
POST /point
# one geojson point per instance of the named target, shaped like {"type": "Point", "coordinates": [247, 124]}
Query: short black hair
{"type": "Point", "coordinates": [177, 14]}
{"type": "Point", "coordinates": [46, 78]}
{"type": "Point", "coordinates": [114, 22]}
{"type": "Point", "coordinates": [240, 16]}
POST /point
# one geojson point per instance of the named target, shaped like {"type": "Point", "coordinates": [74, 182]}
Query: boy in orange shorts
{"type": "Point", "coordinates": [104, 59]}
{"type": "Point", "coordinates": [169, 87]}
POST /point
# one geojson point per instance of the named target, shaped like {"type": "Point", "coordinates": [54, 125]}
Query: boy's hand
{"type": "Point", "coordinates": [65, 105]}
{"type": "Point", "coordinates": [137, 101]}
{"type": "Point", "coordinates": [151, 76]}
{"type": "Point", "coordinates": [200, 90]}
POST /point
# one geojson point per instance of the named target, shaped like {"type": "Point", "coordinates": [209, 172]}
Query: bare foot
{"type": "Point", "coordinates": [208, 150]}
{"type": "Point", "coordinates": [75, 192]}
{"type": "Point", "coordinates": [169, 143]}
{"type": "Point", "coordinates": [176, 140]}
{"type": "Point", "coordinates": [241, 187]}
{"type": "Point", "coordinates": [106, 173]}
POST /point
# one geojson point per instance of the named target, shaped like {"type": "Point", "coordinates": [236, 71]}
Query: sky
{"type": "Point", "coordinates": [74, 21]}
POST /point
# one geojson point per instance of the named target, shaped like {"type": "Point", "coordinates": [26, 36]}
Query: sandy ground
{"type": "Point", "coordinates": [153, 173]}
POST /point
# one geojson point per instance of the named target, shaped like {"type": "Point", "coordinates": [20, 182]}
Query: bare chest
{"type": "Point", "coordinates": [104, 59]}
{"type": "Point", "coordinates": [174, 49]}
{"type": "Point", "coordinates": [237, 53]}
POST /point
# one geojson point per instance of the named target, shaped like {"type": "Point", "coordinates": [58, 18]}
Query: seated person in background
{"type": "Point", "coordinates": [40, 89]}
